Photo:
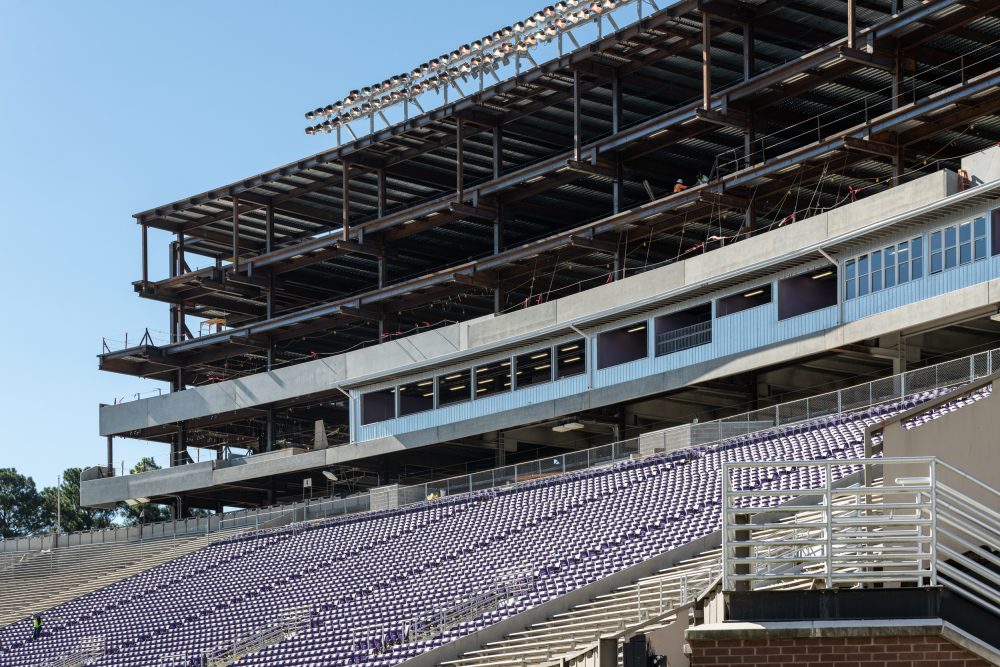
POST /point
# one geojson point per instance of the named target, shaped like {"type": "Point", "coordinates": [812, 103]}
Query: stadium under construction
{"type": "Point", "coordinates": [631, 329]}
{"type": "Point", "coordinates": [394, 298]}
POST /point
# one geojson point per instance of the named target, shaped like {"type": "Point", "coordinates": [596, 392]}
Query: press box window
{"type": "Point", "coordinates": [493, 378]}
{"type": "Point", "coordinates": [730, 305]}
{"type": "Point", "coordinates": [533, 368]}
{"type": "Point", "coordinates": [416, 397]}
{"type": "Point", "coordinates": [957, 245]}
{"type": "Point", "coordinates": [571, 359]}
{"type": "Point", "coordinates": [377, 406]}
{"type": "Point", "coordinates": [807, 292]}
{"type": "Point", "coordinates": [621, 346]}
{"type": "Point", "coordinates": [684, 329]}
{"type": "Point", "coordinates": [454, 387]}
{"type": "Point", "coordinates": [881, 269]}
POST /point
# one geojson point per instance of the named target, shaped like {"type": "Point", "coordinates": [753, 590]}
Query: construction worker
{"type": "Point", "coordinates": [36, 626]}
{"type": "Point", "coordinates": [679, 186]}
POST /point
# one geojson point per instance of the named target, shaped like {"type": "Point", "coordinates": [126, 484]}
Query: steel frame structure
{"type": "Point", "coordinates": [561, 176]}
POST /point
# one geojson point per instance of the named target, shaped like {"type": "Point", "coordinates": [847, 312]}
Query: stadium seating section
{"type": "Point", "coordinates": [388, 569]}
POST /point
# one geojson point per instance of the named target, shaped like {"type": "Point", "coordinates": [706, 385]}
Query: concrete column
{"type": "Point", "coordinates": [111, 455]}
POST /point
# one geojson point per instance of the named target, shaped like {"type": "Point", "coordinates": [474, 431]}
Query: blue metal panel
{"type": "Point", "coordinates": [745, 330]}
{"type": "Point", "coordinates": [803, 325]}
{"type": "Point", "coordinates": [473, 409]}
{"type": "Point", "coordinates": [922, 288]}
{"type": "Point", "coordinates": [733, 334]}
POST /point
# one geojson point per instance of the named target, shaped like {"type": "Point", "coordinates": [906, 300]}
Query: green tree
{"type": "Point", "coordinates": [144, 512]}
{"type": "Point", "coordinates": [21, 507]}
{"type": "Point", "coordinates": [72, 516]}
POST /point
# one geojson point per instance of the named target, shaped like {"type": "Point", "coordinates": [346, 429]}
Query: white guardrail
{"type": "Point", "coordinates": [895, 387]}
{"type": "Point", "coordinates": [926, 524]}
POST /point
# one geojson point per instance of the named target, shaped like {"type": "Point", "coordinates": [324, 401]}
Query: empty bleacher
{"type": "Point", "coordinates": [393, 569]}
{"type": "Point", "coordinates": [36, 581]}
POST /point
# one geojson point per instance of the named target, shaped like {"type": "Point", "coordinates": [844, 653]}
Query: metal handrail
{"type": "Point", "coordinates": [684, 338]}
{"type": "Point", "coordinates": [919, 530]}
{"type": "Point", "coordinates": [289, 623]}
{"type": "Point", "coordinates": [894, 387]}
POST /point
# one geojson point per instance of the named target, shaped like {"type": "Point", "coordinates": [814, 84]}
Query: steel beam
{"type": "Point", "coordinates": [236, 234]}
{"type": "Point", "coordinates": [145, 254]}
{"type": "Point", "coordinates": [706, 61]}
{"type": "Point", "coordinates": [459, 159]}
{"type": "Point", "coordinates": [852, 24]}
{"type": "Point", "coordinates": [345, 206]}
{"type": "Point", "coordinates": [577, 117]}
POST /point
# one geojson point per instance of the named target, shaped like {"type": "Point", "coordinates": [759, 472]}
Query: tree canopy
{"type": "Point", "coordinates": [22, 510]}
{"type": "Point", "coordinates": [26, 510]}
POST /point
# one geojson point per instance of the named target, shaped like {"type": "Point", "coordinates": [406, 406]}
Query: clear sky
{"type": "Point", "coordinates": [109, 108]}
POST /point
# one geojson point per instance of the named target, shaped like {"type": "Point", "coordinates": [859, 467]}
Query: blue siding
{"type": "Point", "coordinates": [741, 332]}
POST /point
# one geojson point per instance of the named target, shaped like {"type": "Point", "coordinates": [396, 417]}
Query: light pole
{"type": "Point", "coordinates": [58, 508]}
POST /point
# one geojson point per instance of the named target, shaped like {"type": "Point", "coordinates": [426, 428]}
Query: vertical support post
{"type": "Point", "coordinates": [460, 159]}
{"type": "Point", "coordinates": [269, 227]}
{"type": "Point", "coordinates": [381, 192]}
{"type": "Point", "coordinates": [577, 111]}
{"type": "Point", "coordinates": [897, 166]}
{"type": "Point", "coordinates": [346, 196]}
{"type": "Point", "coordinates": [741, 535]}
{"type": "Point", "coordinates": [269, 431]}
{"type": "Point", "coordinates": [111, 455]}
{"type": "Point", "coordinates": [383, 266]}
{"type": "Point", "coordinates": [852, 24]}
{"type": "Point", "coordinates": [616, 189]}
{"type": "Point", "coordinates": [178, 446]}
{"type": "Point", "coordinates": [497, 151]}
{"type": "Point", "coordinates": [236, 234]}
{"type": "Point", "coordinates": [706, 61]}
{"type": "Point", "coordinates": [180, 253]}
{"type": "Point", "coordinates": [145, 255]}
{"type": "Point", "coordinates": [749, 55]}
{"type": "Point", "coordinates": [179, 256]}
{"type": "Point", "coordinates": [616, 104]}
{"type": "Point", "coordinates": [498, 241]}
{"type": "Point", "coordinates": [616, 124]}
{"type": "Point", "coordinates": [172, 264]}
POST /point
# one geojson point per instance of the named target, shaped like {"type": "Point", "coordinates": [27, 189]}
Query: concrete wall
{"type": "Point", "coordinates": [473, 337]}
{"type": "Point", "coordinates": [968, 438]}
{"type": "Point", "coordinates": [983, 166]}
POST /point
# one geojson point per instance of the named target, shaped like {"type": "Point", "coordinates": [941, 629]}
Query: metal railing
{"type": "Point", "coordinates": [291, 621]}
{"type": "Point", "coordinates": [684, 338]}
{"type": "Point", "coordinates": [913, 528]}
{"type": "Point", "coordinates": [88, 652]}
{"type": "Point", "coordinates": [858, 397]}
{"type": "Point", "coordinates": [507, 587]}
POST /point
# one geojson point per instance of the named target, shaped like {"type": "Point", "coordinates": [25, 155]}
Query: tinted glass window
{"type": "Point", "coordinates": [454, 387]}
{"type": "Point", "coordinates": [533, 368]}
{"type": "Point", "coordinates": [416, 397]}
{"type": "Point", "coordinates": [571, 358]}
{"type": "Point", "coordinates": [493, 378]}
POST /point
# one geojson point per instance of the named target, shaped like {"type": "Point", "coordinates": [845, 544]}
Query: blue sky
{"type": "Point", "coordinates": [109, 108]}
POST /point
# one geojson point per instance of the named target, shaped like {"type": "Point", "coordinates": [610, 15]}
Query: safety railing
{"type": "Point", "coordinates": [684, 338]}
{"type": "Point", "coordinates": [89, 651]}
{"type": "Point", "coordinates": [896, 387]}
{"type": "Point", "coordinates": [507, 587]}
{"type": "Point", "coordinates": [291, 621]}
{"type": "Point", "coordinates": [914, 528]}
